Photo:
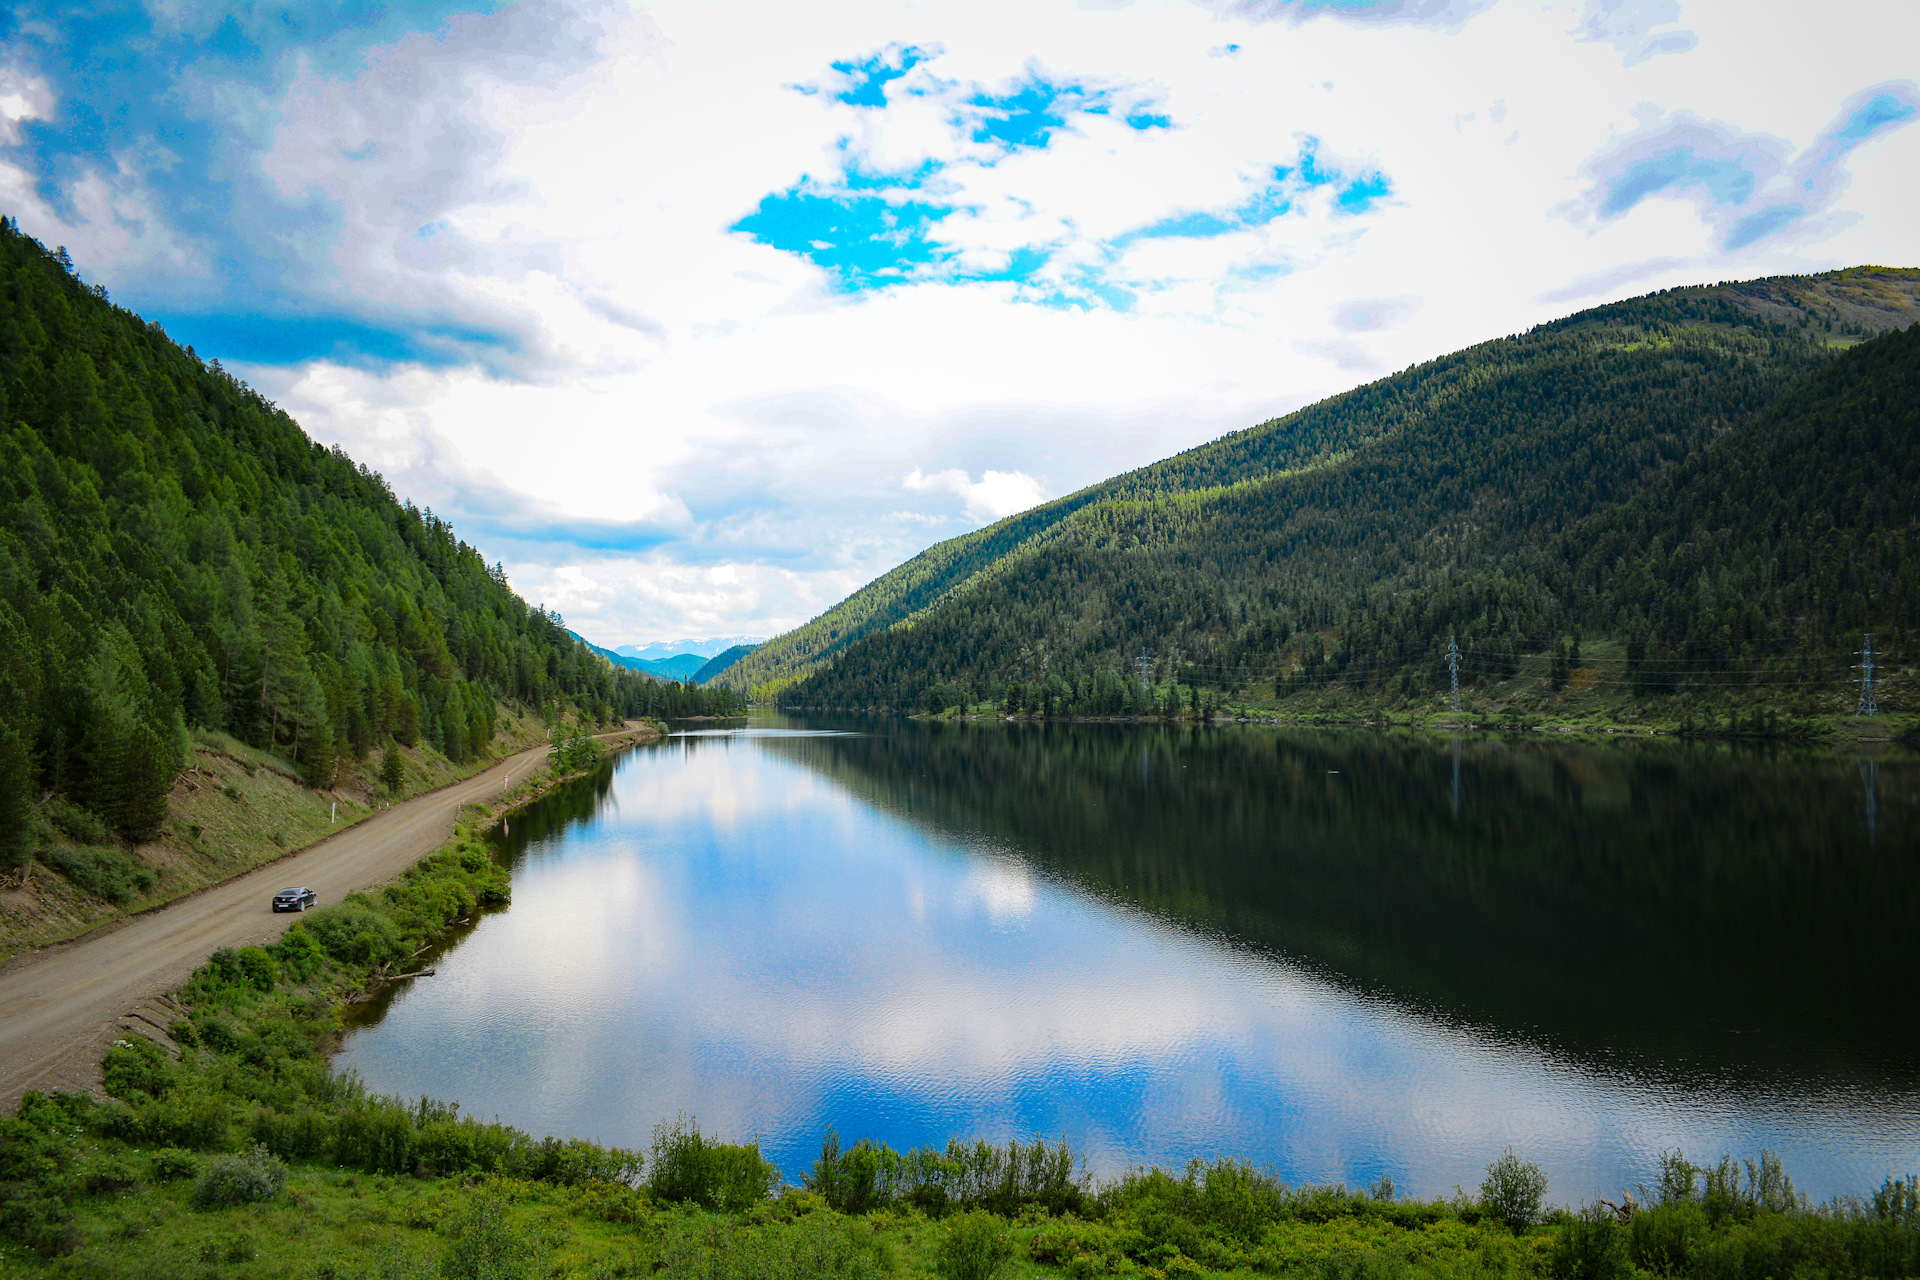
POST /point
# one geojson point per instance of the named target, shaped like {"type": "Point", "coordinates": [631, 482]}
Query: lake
{"type": "Point", "coordinates": [1337, 954]}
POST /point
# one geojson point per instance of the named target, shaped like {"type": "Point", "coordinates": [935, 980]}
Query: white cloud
{"type": "Point", "coordinates": [1631, 27]}
{"type": "Point", "coordinates": [610, 380]}
{"type": "Point", "coordinates": [994, 495]}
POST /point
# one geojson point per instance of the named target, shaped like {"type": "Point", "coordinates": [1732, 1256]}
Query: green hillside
{"type": "Point", "coordinates": [175, 552]}
{"type": "Point", "coordinates": [1339, 547]}
{"type": "Point", "coordinates": [719, 662]}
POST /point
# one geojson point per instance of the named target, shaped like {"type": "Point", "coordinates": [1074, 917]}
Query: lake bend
{"type": "Point", "coordinates": [1336, 954]}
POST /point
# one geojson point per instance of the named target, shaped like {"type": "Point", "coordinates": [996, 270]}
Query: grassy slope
{"type": "Point", "coordinates": [232, 809]}
{"type": "Point", "coordinates": [1214, 481]}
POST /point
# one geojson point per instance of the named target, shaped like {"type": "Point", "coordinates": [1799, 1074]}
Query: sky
{"type": "Point", "coordinates": [698, 316]}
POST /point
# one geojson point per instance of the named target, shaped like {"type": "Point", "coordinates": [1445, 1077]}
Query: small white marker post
{"type": "Point", "coordinates": [333, 812]}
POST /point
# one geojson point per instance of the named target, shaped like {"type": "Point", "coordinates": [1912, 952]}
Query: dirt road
{"type": "Point", "coordinates": [62, 1006]}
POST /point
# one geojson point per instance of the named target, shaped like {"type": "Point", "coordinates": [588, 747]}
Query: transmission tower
{"type": "Point", "coordinates": [1453, 671]}
{"type": "Point", "coordinates": [1146, 666]}
{"type": "Point", "coordinates": [1868, 707]}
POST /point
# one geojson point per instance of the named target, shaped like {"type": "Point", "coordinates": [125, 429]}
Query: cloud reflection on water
{"type": "Point", "coordinates": [742, 938]}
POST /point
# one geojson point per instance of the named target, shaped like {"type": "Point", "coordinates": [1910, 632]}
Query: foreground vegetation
{"type": "Point", "coordinates": [1718, 483]}
{"type": "Point", "coordinates": [227, 1148]}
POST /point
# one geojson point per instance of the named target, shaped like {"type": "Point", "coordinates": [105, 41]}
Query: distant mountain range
{"type": "Point", "coordinates": [711, 647]}
{"type": "Point", "coordinates": [1721, 478]}
{"type": "Point", "coordinates": [691, 664]}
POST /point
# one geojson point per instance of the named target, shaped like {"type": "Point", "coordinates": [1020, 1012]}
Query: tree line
{"type": "Point", "coordinates": [176, 552]}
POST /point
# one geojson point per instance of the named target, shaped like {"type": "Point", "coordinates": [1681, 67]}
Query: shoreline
{"type": "Point", "coordinates": [1898, 730]}
{"type": "Point", "coordinates": [357, 1178]}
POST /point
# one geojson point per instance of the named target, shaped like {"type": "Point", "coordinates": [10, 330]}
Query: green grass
{"type": "Point", "coordinates": [232, 808]}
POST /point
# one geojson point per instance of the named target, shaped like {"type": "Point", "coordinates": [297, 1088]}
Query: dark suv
{"type": "Point", "coordinates": [294, 899]}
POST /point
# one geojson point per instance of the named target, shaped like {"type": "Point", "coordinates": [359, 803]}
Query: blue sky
{"type": "Point", "coordinates": [699, 316]}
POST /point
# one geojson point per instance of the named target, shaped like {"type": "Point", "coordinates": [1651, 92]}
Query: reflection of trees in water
{"type": "Point", "coordinates": [1654, 904]}
{"type": "Point", "coordinates": [568, 805]}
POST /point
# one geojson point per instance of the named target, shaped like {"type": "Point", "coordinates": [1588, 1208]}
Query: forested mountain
{"type": "Point", "coordinates": [1676, 471]}
{"type": "Point", "coordinates": [720, 662]}
{"type": "Point", "coordinates": [175, 551]}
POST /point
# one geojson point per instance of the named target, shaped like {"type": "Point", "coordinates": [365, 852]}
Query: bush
{"type": "Point", "coordinates": [76, 823]}
{"type": "Point", "coordinates": [108, 1172]}
{"type": "Point", "coordinates": [686, 1166]}
{"type": "Point", "coordinates": [857, 1179]}
{"type": "Point", "coordinates": [355, 932]}
{"type": "Point", "coordinates": [103, 873]}
{"type": "Point", "coordinates": [299, 953]}
{"type": "Point", "coordinates": [1364, 1264]}
{"type": "Point", "coordinates": [974, 1246]}
{"type": "Point", "coordinates": [135, 1064]}
{"type": "Point", "coordinates": [169, 1164]}
{"type": "Point", "coordinates": [485, 1243]}
{"type": "Point", "coordinates": [243, 1179]}
{"type": "Point", "coordinates": [1590, 1247]}
{"type": "Point", "coordinates": [1513, 1190]}
{"type": "Point", "coordinates": [258, 968]}
{"type": "Point", "coordinates": [40, 1222]}
{"type": "Point", "coordinates": [1664, 1238]}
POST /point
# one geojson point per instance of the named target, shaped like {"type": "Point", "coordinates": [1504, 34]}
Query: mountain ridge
{"type": "Point", "coordinates": [1699, 359]}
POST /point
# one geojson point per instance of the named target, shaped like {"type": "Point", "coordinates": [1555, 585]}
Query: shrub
{"type": "Point", "coordinates": [135, 1064]}
{"type": "Point", "coordinates": [108, 1172]}
{"type": "Point", "coordinates": [1664, 1238]}
{"type": "Point", "coordinates": [355, 932]}
{"type": "Point", "coordinates": [171, 1163]}
{"type": "Point", "coordinates": [243, 1179]}
{"type": "Point", "coordinates": [299, 953]}
{"type": "Point", "coordinates": [974, 1246]}
{"type": "Point", "coordinates": [857, 1179]}
{"type": "Point", "coordinates": [1590, 1247]}
{"type": "Point", "coordinates": [76, 823]}
{"type": "Point", "coordinates": [40, 1222]}
{"type": "Point", "coordinates": [258, 968]}
{"type": "Point", "coordinates": [103, 873]}
{"type": "Point", "coordinates": [485, 1243]}
{"type": "Point", "coordinates": [1077, 1248]}
{"type": "Point", "coordinates": [1364, 1264]}
{"type": "Point", "coordinates": [1513, 1190]}
{"type": "Point", "coordinates": [686, 1166]}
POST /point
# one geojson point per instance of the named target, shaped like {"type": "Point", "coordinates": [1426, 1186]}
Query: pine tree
{"type": "Point", "coordinates": [393, 771]}
{"type": "Point", "coordinates": [16, 800]}
{"type": "Point", "coordinates": [142, 774]}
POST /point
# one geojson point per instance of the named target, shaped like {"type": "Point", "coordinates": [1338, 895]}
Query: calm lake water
{"type": "Point", "coordinates": [1337, 954]}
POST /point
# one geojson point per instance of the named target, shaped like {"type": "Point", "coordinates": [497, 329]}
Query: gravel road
{"type": "Point", "coordinates": [60, 1007]}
